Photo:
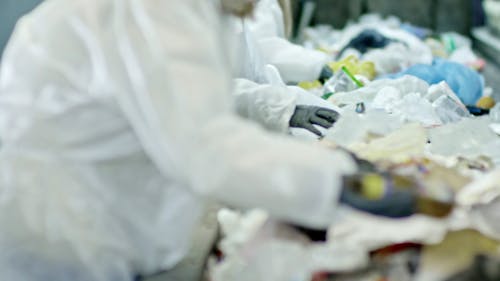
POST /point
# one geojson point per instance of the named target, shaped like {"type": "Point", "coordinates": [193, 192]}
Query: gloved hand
{"type": "Point", "coordinates": [307, 116]}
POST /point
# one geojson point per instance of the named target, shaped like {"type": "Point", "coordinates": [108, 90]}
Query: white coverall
{"type": "Point", "coordinates": [295, 63]}
{"type": "Point", "coordinates": [262, 42]}
{"type": "Point", "coordinates": [117, 126]}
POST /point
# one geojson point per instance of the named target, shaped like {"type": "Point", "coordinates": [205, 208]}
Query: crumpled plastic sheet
{"type": "Point", "coordinates": [366, 94]}
{"type": "Point", "coordinates": [256, 248]}
{"type": "Point", "coordinates": [373, 122]}
{"type": "Point", "coordinates": [372, 232]}
{"type": "Point", "coordinates": [495, 128]}
{"type": "Point", "coordinates": [355, 66]}
{"type": "Point", "coordinates": [393, 58]}
{"type": "Point", "coordinates": [470, 138]}
{"type": "Point", "coordinates": [402, 145]}
{"type": "Point", "coordinates": [411, 50]}
{"type": "Point", "coordinates": [409, 99]}
{"type": "Point", "coordinates": [464, 55]}
{"type": "Point", "coordinates": [465, 82]}
{"type": "Point", "coordinates": [259, 249]}
{"type": "Point", "coordinates": [482, 199]}
{"type": "Point", "coordinates": [454, 255]}
{"type": "Point", "coordinates": [495, 113]}
{"type": "Point", "coordinates": [338, 83]}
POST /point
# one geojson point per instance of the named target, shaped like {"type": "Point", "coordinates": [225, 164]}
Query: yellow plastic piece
{"type": "Point", "coordinates": [486, 103]}
{"type": "Point", "coordinates": [355, 66]}
{"type": "Point", "coordinates": [373, 186]}
{"type": "Point", "coordinates": [309, 85]}
{"type": "Point", "coordinates": [324, 50]}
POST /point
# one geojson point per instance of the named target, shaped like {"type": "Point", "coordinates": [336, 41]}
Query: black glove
{"type": "Point", "coordinates": [307, 116]}
{"type": "Point", "coordinates": [394, 203]}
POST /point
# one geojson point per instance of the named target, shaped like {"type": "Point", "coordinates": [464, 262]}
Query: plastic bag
{"type": "Point", "coordinates": [372, 122]}
{"type": "Point", "coordinates": [405, 85]}
{"type": "Point", "coordinates": [465, 82]}
{"type": "Point", "coordinates": [355, 67]}
{"type": "Point", "coordinates": [340, 82]}
{"type": "Point", "coordinates": [495, 113]}
{"type": "Point", "coordinates": [256, 248]}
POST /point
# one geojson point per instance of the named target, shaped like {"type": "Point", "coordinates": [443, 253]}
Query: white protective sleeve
{"type": "Point", "coordinates": [269, 105]}
{"type": "Point", "coordinates": [294, 62]}
{"type": "Point", "coordinates": [117, 124]}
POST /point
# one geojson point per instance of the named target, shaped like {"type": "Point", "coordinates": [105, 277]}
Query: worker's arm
{"type": "Point", "coordinates": [178, 96]}
{"type": "Point", "coordinates": [295, 63]}
{"type": "Point", "coordinates": [270, 106]}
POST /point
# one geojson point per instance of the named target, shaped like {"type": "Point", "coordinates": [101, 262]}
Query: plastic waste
{"type": "Point", "coordinates": [437, 47]}
{"type": "Point", "coordinates": [449, 110]}
{"type": "Point", "coordinates": [410, 99]}
{"type": "Point", "coordinates": [495, 128]}
{"type": "Point", "coordinates": [466, 56]}
{"type": "Point", "coordinates": [406, 84]}
{"type": "Point", "coordinates": [356, 228]}
{"type": "Point", "coordinates": [495, 113]}
{"type": "Point", "coordinates": [341, 82]}
{"type": "Point", "coordinates": [471, 137]}
{"type": "Point", "coordinates": [482, 197]}
{"type": "Point", "coordinates": [484, 268]}
{"type": "Point", "coordinates": [402, 145]}
{"type": "Point", "coordinates": [486, 102]}
{"type": "Point", "coordinates": [256, 248]}
{"type": "Point", "coordinates": [367, 39]}
{"type": "Point", "coordinates": [314, 87]}
{"type": "Point", "coordinates": [372, 122]}
{"type": "Point", "coordinates": [310, 85]}
{"type": "Point", "coordinates": [465, 82]}
{"type": "Point", "coordinates": [392, 59]}
{"type": "Point", "coordinates": [355, 67]}
{"type": "Point", "coordinates": [454, 41]}
{"type": "Point", "coordinates": [455, 254]}
{"type": "Point", "coordinates": [386, 97]}
{"type": "Point", "coordinates": [418, 31]}
{"type": "Point", "coordinates": [414, 108]}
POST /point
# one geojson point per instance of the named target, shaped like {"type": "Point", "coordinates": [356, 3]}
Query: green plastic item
{"type": "Point", "coordinates": [354, 79]}
{"type": "Point", "coordinates": [327, 96]}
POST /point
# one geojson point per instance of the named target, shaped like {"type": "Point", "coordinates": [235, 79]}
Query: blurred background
{"type": "Point", "coordinates": [10, 11]}
{"type": "Point", "coordinates": [439, 15]}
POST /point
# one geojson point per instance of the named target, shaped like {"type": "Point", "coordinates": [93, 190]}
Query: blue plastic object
{"type": "Point", "coordinates": [464, 81]}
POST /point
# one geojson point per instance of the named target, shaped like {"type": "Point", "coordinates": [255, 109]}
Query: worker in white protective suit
{"type": "Point", "coordinates": [117, 126]}
{"type": "Point", "coordinates": [270, 27]}
{"type": "Point", "coordinates": [260, 93]}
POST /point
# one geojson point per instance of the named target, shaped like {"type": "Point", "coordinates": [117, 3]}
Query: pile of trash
{"type": "Point", "coordinates": [420, 107]}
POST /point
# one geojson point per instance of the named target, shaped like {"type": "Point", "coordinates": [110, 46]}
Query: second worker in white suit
{"type": "Point", "coordinates": [261, 40]}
